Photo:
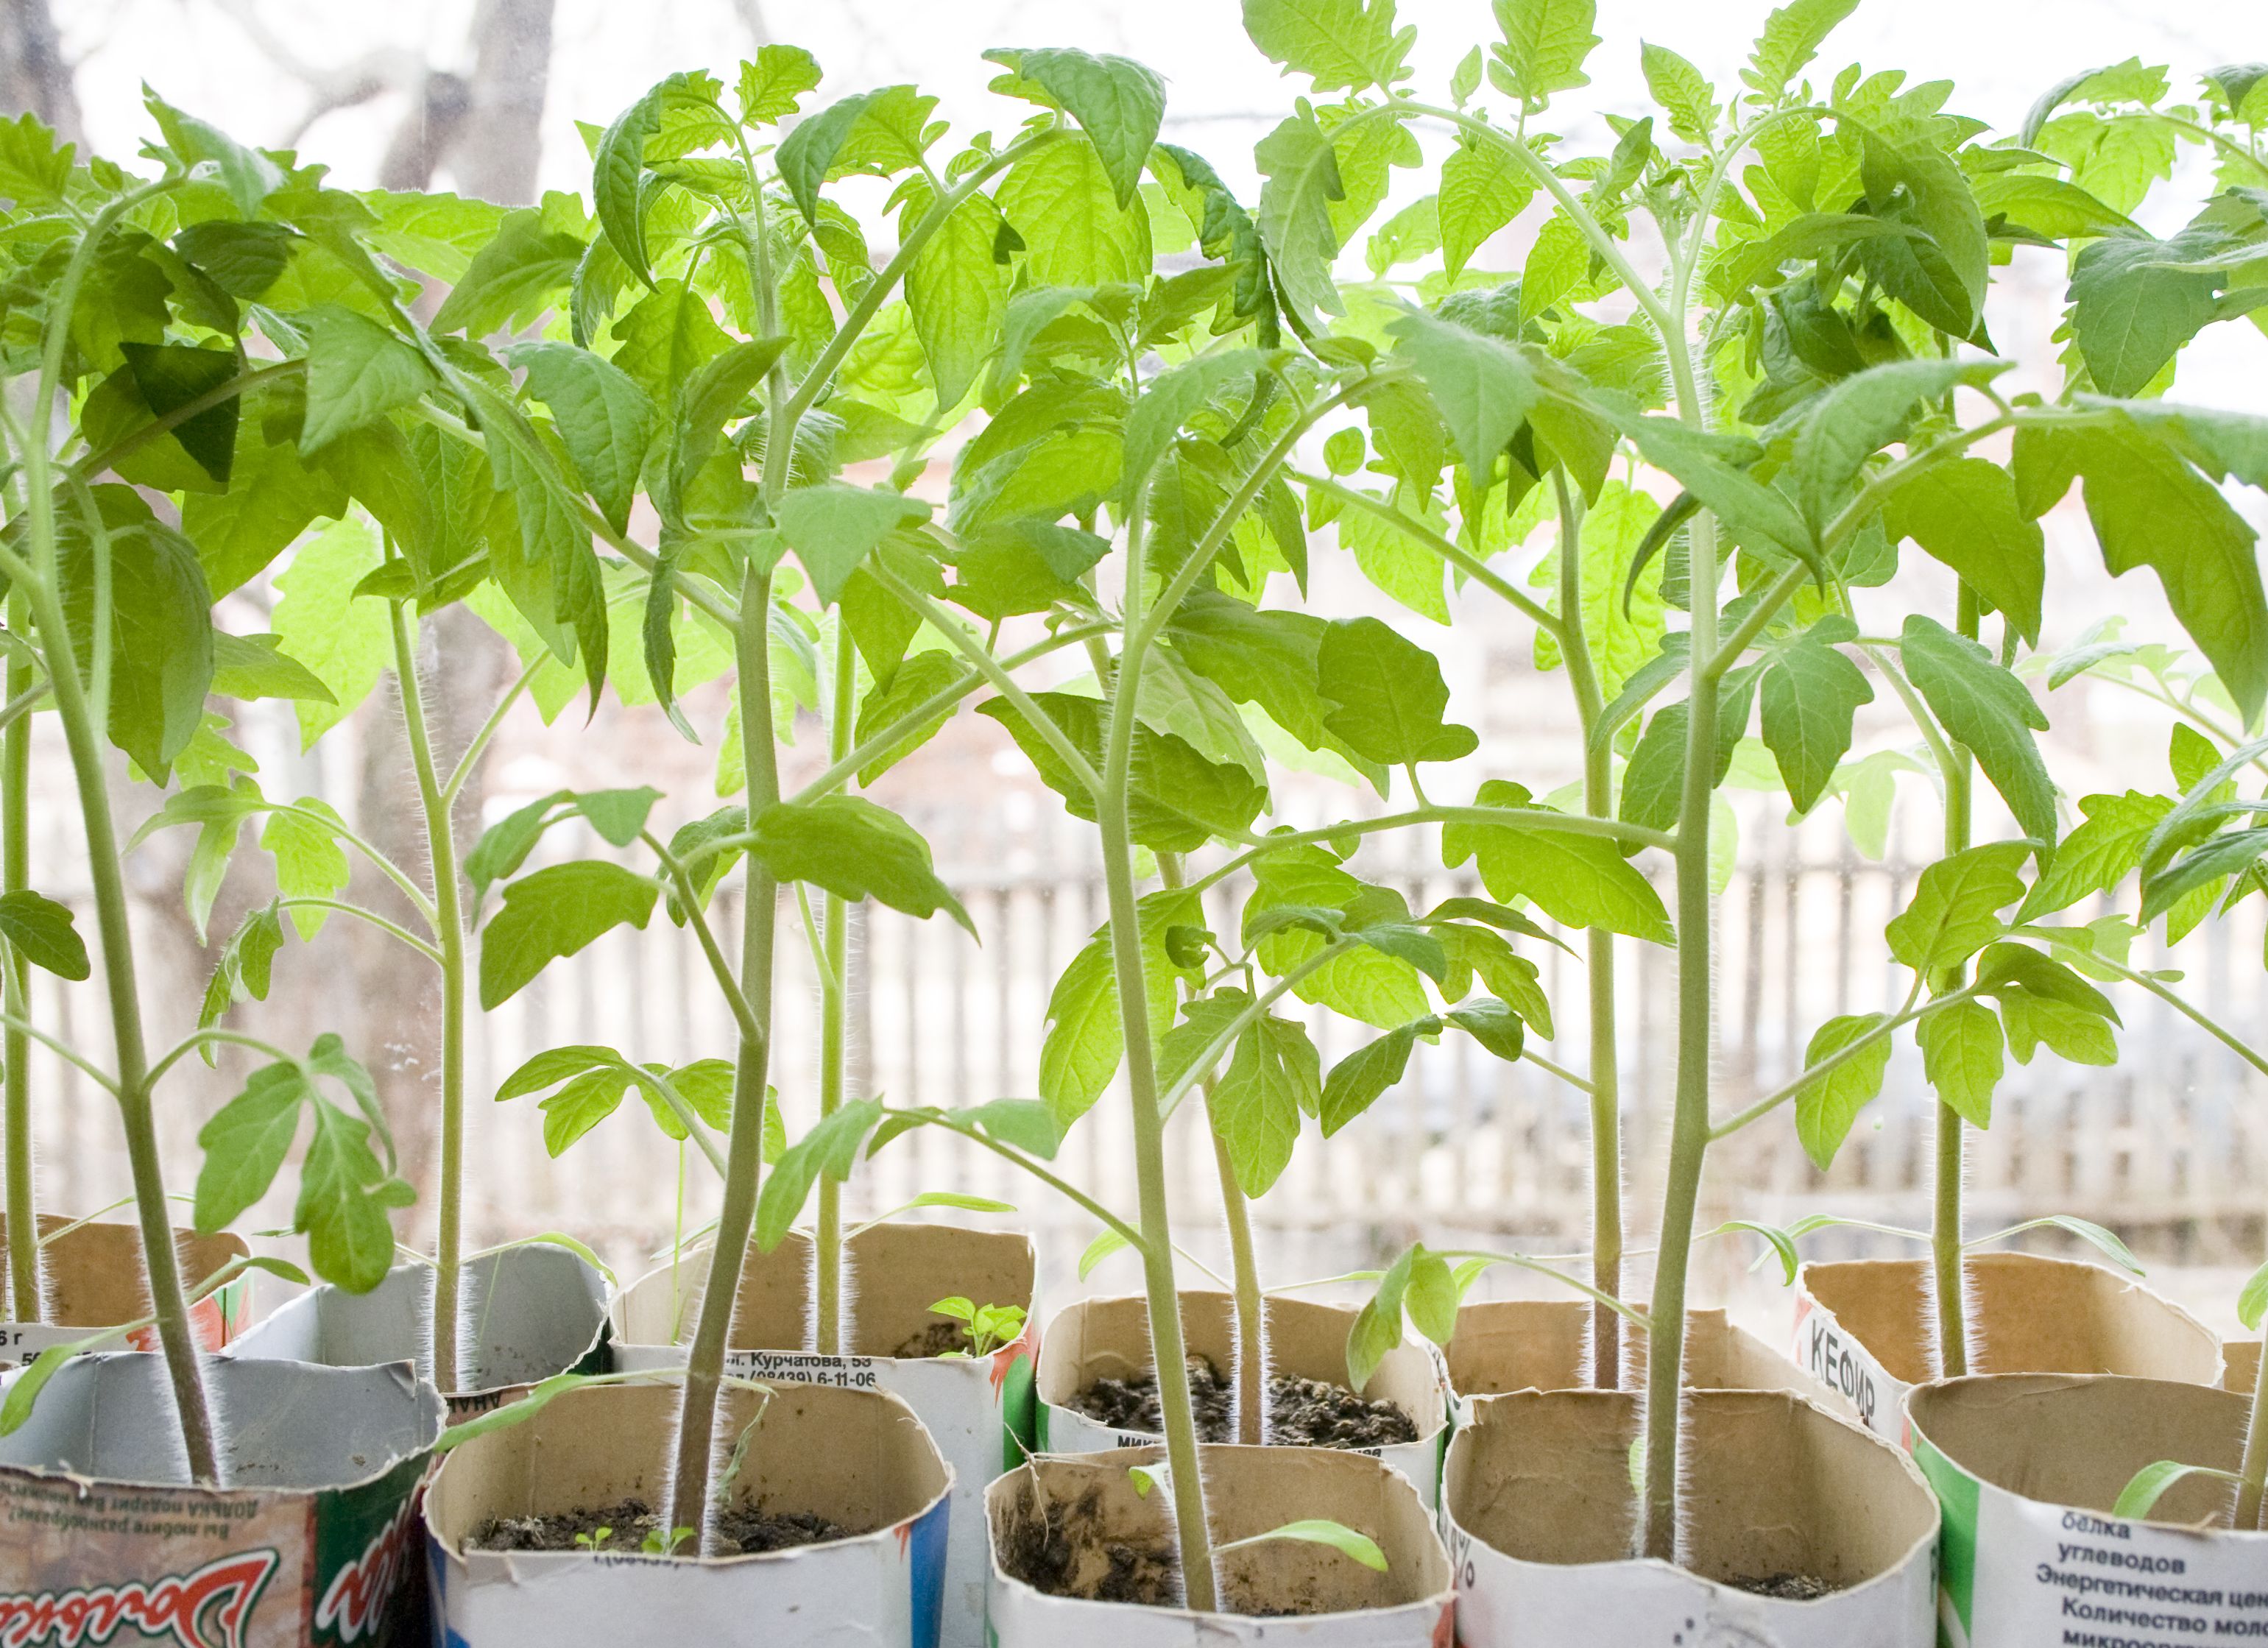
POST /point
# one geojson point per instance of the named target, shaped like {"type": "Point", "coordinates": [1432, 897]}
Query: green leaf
{"type": "Point", "coordinates": [160, 640]}
{"type": "Point", "coordinates": [1810, 692]}
{"type": "Point", "coordinates": [1360, 1079]}
{"type": "Point", "coordinates": [2231, 854]}
{"type": "Point", "coordinates": [2070, 1031]}
{"type": "Point", "coordinates": [1341, 43]}
{"type": "Point", "coordinates": [1792, 37]}
{"type": "Point", "coordinates": [1360, 1547]}
{"type": "Point", "coordinates": [1826, 1106]}
{"type": "Point", "coordinates": [248, 177]}
{"type": "Point", "coordinates": [2100, 854]}
{"type": "Point", "coordinates": [512, 278]}
{"type": "Point", "coordinates": [1963, 512]}
{"type": "Point", "coordinates": [2252, 1303]}
{"type": "Point", "coordinates": [772, 85]}
{"type": "Point", "coordinates": [1273, 1077]}
{"type": "Point", "coordinates": [619, 164]}
{"type": "Point", "coordinates": [1117, 102]}
{"type": "Point", "coordinates": [1954, 909]}
{"type": "Point", "coordinates": [246, 1142]}
{"type": "Point", "coordinates": [555, 912]}
{"type": "Point", "coordinates": [2150, 508]}
{"type": "Point", "coordinates": [1062, 202]}
{"type": "Point", "coordinates": [958, 292]}
{"type": "Point", "coordinates": [345, 643]}
{"type": "Point", "coordinates": [1758, 517]}
{"type": "Point", "coordinates": [2153, 1481]}
{"type": "Point", "coordinates": [1100, 1248]}
{"type": "Point", "coordinates": [2005, 966]}
{"type": "Point", "coordinates": [833, 527]}
{"type": "Point", "coordinates": [1982, 705]}
{"type": "Point", "coordinates": [1171, 399]}
{"type": "Point", "coordinates": [1482, 190]}
{"type": "Point", "coordinates": [1431, 1298]}
{"type": "Point", "coordinates": [603, 416]}
{"type": "Point", "coordinates": [34, 167]}
{"type": "Point", "coordinates": [1387, 695]}
{"type": "Point", "coordinates": [256, 666]}
{"type": "Point", "coordinates": [831, 1148]}
{"type": "Point", "coordinates": [357, 371]}
{"type": "Point", "coordinates": [1492, 1024]}
{"type": "Point", "coordinates": [40, 931]}
{"type": "Point", "coordinates": [1086, 1036]}
{"type": "Point", "coordinates": [1683, 92]}
{"type": "Point", "coordinates": [2134, 302]}
{"type": "Point", "coordinates": [1377, 1331]}
{"type": "Point", "coordinates": [854, 849]}
{"type": "Point", "coordinates": [309, 861]}
{"type": "Point", "coordinates": [171, 376]}
{"type": "Point", "coordinates": [1941, 278]}
{"type": "Point", "coordinates": [1484, 387]}
{"type": "Point", "coordinates": [344, 1193]}
{"type": "Point", "coordinates": [1578, 880]}
{"type": "Point", "coordinates": [1545, 42]}
{"type": "Point", "coordinates": [1962, 1054]}
{"type": "Point", "coordinates": [1864, 412]}
{"type": "Point", "coordinates": [1299, 173]}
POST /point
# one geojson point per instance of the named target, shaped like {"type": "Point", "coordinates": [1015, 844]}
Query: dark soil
{"type": "Point", "coordinates": [742, 1531]}
{"type": "Point", "coordinates": [1301, 1412]}
{"type": "Point", "coordinates": [934, 1341]}
{"type": "Point", "coordinates": [1786, 1587]}
{"type": "Point", "coordinates": [1046, 1556]}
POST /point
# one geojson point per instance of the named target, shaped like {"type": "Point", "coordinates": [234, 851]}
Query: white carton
{"type": "Point", "coordinates": [1282, 1592]}
{"type": "Point", "coordinates": [1109, 1338]}
{"type": "Point", "coordinates": [979, 1411]}
{"type": "Point", "coordinates": [1503, 1345]}
{"type": "Point", "coordinates": [1865, 1328]}
{"type": "Point", "coordinates": [2028, 1467]}
{"type": "Point", "coordinates": [1542, 1517]}
{"type": "Point", "coordinates": [857, 1458]}
{"type": "Point", "coordinates": [93, 1279]}
{"type": "Point", "coordinates": [529, 1313]}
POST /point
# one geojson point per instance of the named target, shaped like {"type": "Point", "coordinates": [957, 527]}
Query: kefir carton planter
{"type": "Point", "coordinates": [1865, 1328]}
{"type": "Point", "coordinates": [1109, 1338]}
{"type": "Point", "coordinates": [1503, 1345]}
{"type": "Point", "coordinates": [93, 1280]}
{"type": "Point", "coordinates": [308, 1542]}
{"type": "Point", "coordinates": [1281, 1591]}
{"type": "Point", "coordinates": [2028, 1467]}
{"type": "Point", "coordinates": [979, 1411]}
{"type": "Point", "coordinates": [527, 1313]}
{"type": "Point", "coordinates": [857, 1458]}
{"type": "Point", "coordinates": [1542, 1519]}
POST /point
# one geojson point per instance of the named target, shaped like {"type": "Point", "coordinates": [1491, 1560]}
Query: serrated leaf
{"type": "Point", "coordinates": [1982, 705]}
{"type": "Point", "coordinates": [555, 912]}
{"type": "Point", "coordinates": [1117, 102]}
{"type": "Point", "coordinates": [1792, 37]}
{"type": "Point", "coordinates": [1387, 695]}
{"type": "Point", "coordinates": [357, 371]}
{"type": "Point", "coordinates": [1545, 42]}
{"type": "Point", "coordinates": [1579, 881]}
{"type": "Point", "coordinates": [855, 850]}
{"type": "Point", "coordinates": [1482, 190]}
{"type": "Point", "coordinates": [1273, 1077]}
{"type": "Point", "coordinates": [605, 419]}
{"type": "Point", "coordinates": [1826, 1106]}
{"type": "Point", "coordinates": [1810, 693]}
{"type": "Point", "coordinates": [1359, 1080]}
{"type": "Point", "coordinates": [1963, 1055]}
{"type": "Point", "coordinates": [1350, 44]}
{"type": "Point", "coordinates": [1953, 912]}
{"type": "Point", "coordinates": [833, 527]}
{"type": "Point", "coordinates": [1301, 180]}
{"type": "Point", "coordinates": [1485, 388]}
{"type": "Point", "coordinates": [831, 1148]}
{"type": "Point", "coordinates": [1963, 512]}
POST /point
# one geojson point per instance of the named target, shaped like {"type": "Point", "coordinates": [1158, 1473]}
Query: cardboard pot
{"type": "Point", "coordinates": [1109, 1338]}
{"type": "Point", "coordinates": [2239, 1364]}
{"type": "Point", "coordinates": [307, 1544]}
{"type": "Point", "coordinates": [1503, 1345]}
{"type": "Point", "coordinates": [978, 1411]}
{"type": "Point", "coordinates": [860, 1459]}
{"type": "Point", "coordinates": [1281, 1591]}
{"type": "Point", "coordinates": [2028, 1467]}
{"type": "Point", "coordinates": [1542, 1519]}
{"type": "Point", "coordinates": [94, 1280]}
{"type": "Point", "coordinates": [527, 1313]}
{"type": "Point", "coordinates": [1866, 1328]}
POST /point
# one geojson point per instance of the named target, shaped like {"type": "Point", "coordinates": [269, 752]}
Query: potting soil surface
{"type": "Point", "coordinates": [1301, 1412]}
{"type": "Point", "coordinates": [1046, 1554]}
{"type": "Point", "coordinates": [741, 1530]}
{"type": "Point", "coordinates": [936, 1340]}
{"type": "Point", "coordinates": [1786, 1587]}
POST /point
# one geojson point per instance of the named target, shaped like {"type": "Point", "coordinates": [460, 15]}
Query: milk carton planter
{"type": "Point", "coordinates": [93, 1280]}
{"type": "Point", "coordinates": [307, 1543]}
{"type": "Point", "coordinates": [1542, 1519]}
{"type": "Point", "coordinates": [1864, 1327]}
{"type": "Point", "coordinates": [1277, 1592]}
{"type": "Point", "coordinates": [2028, 1468]}
{"type": "Point", "coordinates": [1503, 1345]}
{"type": "Point", "coordinates": [857, 1458]}
{"type": "Point", "coordinates": [2239, 1364]}
{"type": "Point", "coordinates": [1109, 1338]}
{"type": "Point", "coordinates": [529, 1312]}
{"type": "Point", "coordinates": [978, 1411]}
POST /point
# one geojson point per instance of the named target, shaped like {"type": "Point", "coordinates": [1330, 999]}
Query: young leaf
{"type": "Point", "coordinates": [1359, 1080]}
{"type": "Point", "coordinates": [1485, 388]}
{"type": "Point", "coordinates": [1827, 1105]}
{"type": "Point", "coordinates": [2135, 302]}
{"type": "Point", "coordinates": [246, 1142]}
{"type": "Point", "coordinates": [1954, 912]}
{"type": "Point", "coordinates": [1110, 1242]}
{"type": "Point", "coordinates": [161, 638]}
{"type": "Point", "coordinates": [1313, 1531]}
{"type": "Point", "coordinates": [1301, 180]}
{"type": "Point", "coordinates": [1685, 94]}
{"type": "Point", "coordinates": [1387, 695]}
{"type": "Point", "coordinates": [1274, 1076]}
{"type": "Point", "coordinates": [1864, 412]}
{"type": "Point", "coordinates": [1578, 880]}
{"type": "Point", "coordinates": [357, 371]}
{"type": "Point", "coordinates": [2153, 1481]}
{"type": "Point", "coordinates": [2251, 1302]}
{"type": "Point", "coordinates": [2100, 854]}
{"type": "Point", "coordinates": [40, 931]}
{"type": "Point", "coordinates": [1792, 37]}
{"type": "Point", "coordinates": [1810, 692]}
{"type": "Point", "coordinates": [553, 913]}
{"type": "Point", "coordinates": [256, 666]}
{"type": "Point", "coordinates": [1985, 707]}
{"type": "Point", "coordinates": [1482, 190]}
{"type": "Point", "coordinates": [1117, 102]}
{"type": "Point", "coordinates": [1170, 398]}
{"type": "Point", "coordinates": [1545, 42]}
{"type": "Point", "coordinates": [344, 1193]}
{"type": "Point", "coordinates": [604, 417]}
{"type": "Point", "coordinates": [1963, 512]}
{"type": "Point", "coordinates": [772, 85]}
{"type": "Point", "coordinates": [855, 850]}
{"type": "Point", "coordinates": [957, 292]}
{"type": "Point", "coordinates": [1962, 1056]}
{"type": "Point", "coordinates": [1062, 202]}
{"type": "Point", "coordinates": [833, 527]}
{"type": "Point", "coordinates": [1342, 43]}
{"type": "Point", "coordinates": [831, 1147]}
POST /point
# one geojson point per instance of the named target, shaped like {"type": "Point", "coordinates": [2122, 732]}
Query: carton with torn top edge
{"type": "Point", "coordinates": [527, 1313]}
{"type": "Point", "coordinates": [308, 1542]}
{"type": "Point", "coordinates": [1284, 1591]}
{"type": "Point", "coordinates": [979, 1411]}
{"type": "Point", "coordinates": [92, 1276]}
{"type": "Point", "coordinates": [857, 1458]}
{"type": "Point", "coordinates": [1866, 1328]}
{"type": "Point", "coordinates": [1503, 1345]}
{"type": "Point", "coordinates": [1109, 1338]}
{"type": "Point", "coordinates": [2029, 1466]}
{"type": "Point", "coordinates": [1780, 1496]}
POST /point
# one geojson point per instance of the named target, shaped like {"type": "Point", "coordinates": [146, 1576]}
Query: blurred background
{"type": "Point", "coordinates": [498, 97]}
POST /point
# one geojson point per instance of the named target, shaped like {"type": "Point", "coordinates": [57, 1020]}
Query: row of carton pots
{"type": "Point", "coordinates": [1513, 1511]}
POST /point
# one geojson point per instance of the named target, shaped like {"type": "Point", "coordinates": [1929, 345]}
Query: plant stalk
{"type": "Point", "coordinates": [15, 877]}
{"type": "Point", "coordinates": [1945, 1264]}
{"type": "Point", "coordinates": [1599, 958]}
{"type": "Point", "coordinates": [743, 1144]}
{"type": "Point", "coordinates": [449, 930]}
{"type": "Point", "coordinates": [2253, 1474]}
{"type": "Point", "coordinates": [834, 1014]}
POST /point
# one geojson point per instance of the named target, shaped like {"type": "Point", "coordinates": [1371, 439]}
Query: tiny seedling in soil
{"type": "Point", "coordinates": [632, 1525]}
{"type": "Point", "coordinates": [972, 1329]}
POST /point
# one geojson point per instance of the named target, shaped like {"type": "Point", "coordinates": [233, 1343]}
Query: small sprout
{"type": "Point", "coordinates": [987, 1327]}
{"type": "Point", "coordinates": [656, 1543]}
{"type": "Point", "coordinates": [595, 1540]}
{"type": "Point", "coordinates": [1317, 1531]}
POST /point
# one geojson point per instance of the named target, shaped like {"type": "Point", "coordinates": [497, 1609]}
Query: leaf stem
{"type": "Point", "coordinates": [29, 1300]}
{"type": "Point", "coordinates": [95, 465]}
{"type": "Point", "coordinates": [744, 1013]}
{"type": "Point", "coordinates": [431, 952]}
{"type": "Point", "coordinates": [480, 740]}
{"type": "Point", "coordinates": [1471, 565]}
{"type": "Point", "coordinates": [1780, 1095]}
{"type": "Point", "coordinates": [834, 975]}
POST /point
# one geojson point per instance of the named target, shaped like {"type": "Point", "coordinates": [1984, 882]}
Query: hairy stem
{"type": "Point", "coordinates": [15, 991]}
{"type": "Point", "coordinates": [1947, 1273]}
{"type": "Point", "coordinates": [834, 987]}
{"type": "Point", "coordinates": [449, 930]}
{"type": "Point", "coordinates": [2253, 1474]}
{"type": "Point", "coordinates": [744, 1145]}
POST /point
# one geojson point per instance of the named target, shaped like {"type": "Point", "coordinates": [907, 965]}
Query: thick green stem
{"type": "Point", "coordinates": [744, 1145]}
{"type": "Point", "coordinates": [1944, 1226]}
{"type": "Point", "coordinates": [15, 989]}
{"type": "Point", "coordinates": [1689, 1137]}
{"type": "Point", "coordinates": [1599, 961]}
{"type": "Point", "coordinates": [2253, 1474]}
{"type": "Point", "coordinates": [449, 930]}
{"type": "Point", "coordinates": [834, 1016]}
